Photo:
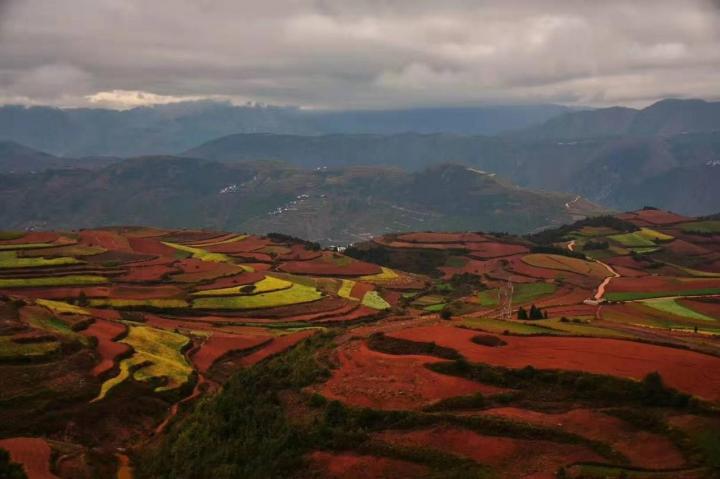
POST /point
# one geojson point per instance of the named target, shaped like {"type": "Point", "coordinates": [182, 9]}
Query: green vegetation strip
{"type": "Point", "coordinates": [670, 305]}
{"type": "Point", "coordinates": [71, 280]}
{"type": "Point", "coordinates": [632, 296]}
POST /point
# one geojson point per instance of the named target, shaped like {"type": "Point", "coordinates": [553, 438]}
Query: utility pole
{"type": "Point", "coordinates": [505, 294]}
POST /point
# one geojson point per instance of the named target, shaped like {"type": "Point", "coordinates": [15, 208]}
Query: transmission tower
{"type": "Point", "coordinates": [505, 294]}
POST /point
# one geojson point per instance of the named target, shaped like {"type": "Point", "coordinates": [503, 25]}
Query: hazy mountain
{"type": "Point", "coordinates": [664, 118]}
{"type": "Point", "coordinates": [333, 205]}
{"type": "Point", "coordinates": [600, 169]}
{"type": "Point", "coordinates": [17, 158]}
{"type": "Point", "coordinates": [177, 127]}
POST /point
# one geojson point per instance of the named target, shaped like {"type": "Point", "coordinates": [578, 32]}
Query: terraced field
{"type": "Point", "coordinates": [205, 354]}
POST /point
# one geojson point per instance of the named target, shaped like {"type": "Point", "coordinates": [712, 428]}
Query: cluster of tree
{"type": "Point", "coordinates": [533, 313]}
{"type": "Point", "coordinates": [556, 235]}
{"type": "Point", "coordinates": [284, 238]}
{"type": "Point", "coordinates": [9, 469]}
{"type": "Point", "coordinates": [597, 245]}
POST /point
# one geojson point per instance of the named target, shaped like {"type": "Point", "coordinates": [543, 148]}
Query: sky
{"type": "Point", "coordinates": [358, 54]}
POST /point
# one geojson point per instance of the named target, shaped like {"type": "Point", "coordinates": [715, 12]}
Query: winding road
{"type": "Point", "coordinates": [600, 291]}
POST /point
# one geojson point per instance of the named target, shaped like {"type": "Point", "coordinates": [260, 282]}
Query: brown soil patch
{"type": "Point", "coordinates": [33, 453]}
{"type": "Point", "coordinates": [368, 378]}
{"type": "Point", "coordinates": [356, 466]}
{"type": "Point", "coordinates": [516, 458]}
{"type": "Point", "coordinates": [688, 371]}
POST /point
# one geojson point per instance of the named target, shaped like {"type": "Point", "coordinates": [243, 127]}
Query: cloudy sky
{"type": "Point", "coordinates": [358, 53]}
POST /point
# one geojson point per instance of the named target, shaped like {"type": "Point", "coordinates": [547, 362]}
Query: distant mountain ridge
{"type": "Point", "coordinates": [168, 129]}
{"type": "Point", "coordinates": [664, 118]}
{"type": "Point", "coordinates": [333, 206]}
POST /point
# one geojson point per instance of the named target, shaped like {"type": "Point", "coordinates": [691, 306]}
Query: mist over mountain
{"type": "Point", "coordinates": [167, 129]}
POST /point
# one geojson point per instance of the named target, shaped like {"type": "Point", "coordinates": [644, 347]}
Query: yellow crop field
{"type": "Point", "coordinates": [9, 259]}
{"type": "Point", "coordinates": [265, 285]}
{"type": "Point", "coordinates": [387, 274]}
{"type": "Point", "coordinates": [296, 294]}
{"type": "Point", "coordinates": [346, 288]}
{"type": "Point", "coordinates": [60, 307]}
{"type": "Point", "coordinates": [158, 355]}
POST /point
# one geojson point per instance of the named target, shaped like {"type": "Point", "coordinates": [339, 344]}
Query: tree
{"type": "Point", "coordinates": [9, 469]}
{"type": "Point", "coordinates": [522, 314]}
{"type": "Point", "coordinates": [535, 312]}
{"type": "Point", "coordinates": [446, 314]}
{"type": "Point", "coordinates": [82, 299]}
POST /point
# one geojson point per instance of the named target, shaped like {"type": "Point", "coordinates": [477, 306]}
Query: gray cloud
{"type": "Point", "coordinates": [359, 53]}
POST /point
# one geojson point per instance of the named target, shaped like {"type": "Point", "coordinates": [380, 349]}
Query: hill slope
{"type": "Point", "coordinates": [332, 206]}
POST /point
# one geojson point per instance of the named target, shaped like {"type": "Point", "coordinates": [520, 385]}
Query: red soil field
{"type": "Point", "coordinates": [33, 453]}
{"type": "Point", "coordinates": [392, 297]}
{"type": "Point", "coordinates": [215, 239]}
{"type": "Point", "coordinates": [63, 292]}
{"type": "Point", "coordinates": [148, 273]}
{"type": "Point", "coordinates": [146, 292]}
{"type": "Point", "coordinates": [642, 448]}
{"type": "Point", "coordinates": [660, 217]}
{"type": "Point", "coordinates": [685, 248]}
{"type": "Point", "coordinates": [218, 270]}
{"type": "Point", "coordinates": [252, 256]}
{"type": "Point", "coordinates": [355, 466]}
{"type": "Point", "coordinates": [514, 458]}
{"type": "Point", "coordinates": [250, 243]}
{"type": "Point", "coordinates": [383, 381]}
{"type": "Point", "coordinates": [571, 310]}
{"type": "Point", "coordinates": [151, 246]}
{"type": "Point", "coordinates": [278, 345]}
{"type": "Point", "coordinates": [105, 239]}
{"type": "Point", "coordinates": [358, 313]}
{"type": "Point", "coordinates": [688, 371]}
{"type": "Point", "coordinates": [220, 344]}
{"type": "Point", "coordinates": [360, 288]}
{"type": "Point", "coordinates": [441, 237]}
{"type": "Point", "coordinates": [299, 253]}
{"type": "Point", "coordinates": [355, 268]}
{"type": "Point", "coordinates": [565, 296]}
{"type": "Point", "coordinates": [106, 332]}
{"type": "Point", "coordinates": [494, 250]}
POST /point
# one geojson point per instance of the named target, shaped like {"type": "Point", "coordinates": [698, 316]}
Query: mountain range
{"type": "Point", "coordinates": [332, 206]}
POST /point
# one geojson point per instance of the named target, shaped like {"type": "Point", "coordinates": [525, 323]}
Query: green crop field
{"type": "Point", "coordinates": [498, 326]}
{"type": "Point", "coordinates": [373, 300]}
{"type": "Point", "coordinates": [11, 235]}
{"type": "Point", "coordinates": [669, 305]}
{"type": "Point", "coordinates": [523, 293]}
{"type": "Point", "coordinates": [70, 280]}
{"type": "Point", "coordinates": [635, 295]}
{"type": "Point", "coordinates": [633, 240]}
{"type": "Point", "coordinates": [294, 295]}
{"type": "Point", "coordinates": [702, 227]}
{"type": "Point", "coordinates": [9, 259]}
{"type": "Point", "coordinates": [158, 354]}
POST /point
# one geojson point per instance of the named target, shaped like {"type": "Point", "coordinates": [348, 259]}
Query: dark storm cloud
{"type": "Point", "coordinates": [360, 53]}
